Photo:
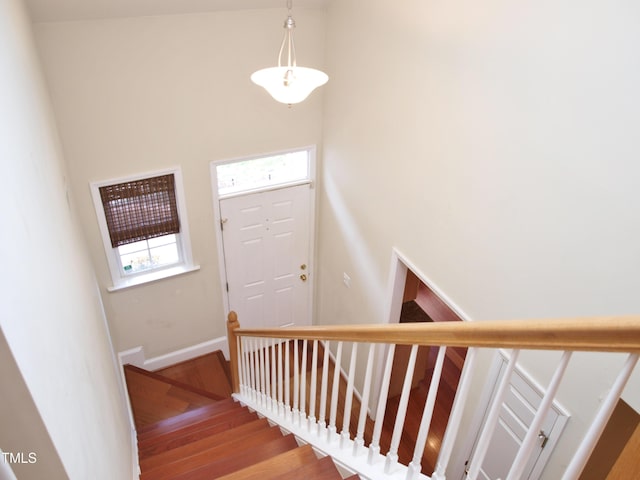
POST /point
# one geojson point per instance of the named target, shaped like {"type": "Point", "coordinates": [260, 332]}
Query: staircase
{"type": "Point", "coordinates": [189, 428]}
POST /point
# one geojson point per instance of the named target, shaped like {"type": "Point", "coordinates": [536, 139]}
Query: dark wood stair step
{"type": "Point", "coordinates": [177, 382]}
{"type": "Point", "coordinates": [245, 446]}
{"type": "Point", "coordinates": [322, 469]}
{"type": "Point", "coordinates": [154, 399]}
{"type": "Point", "coordinates": [190, 417]}
{"type": "Point", "coordinates": [238, 460]}
{"type": "Point", "coordinates": [194, 432]}
{"type": "Point", "coordinates": [276, 466]}
{"type": "Point", "coordinates": [186, 450]}
{"type": "Point", "coordinates": [209, 373]}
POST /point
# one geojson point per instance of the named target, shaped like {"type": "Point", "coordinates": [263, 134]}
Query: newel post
{"type": "Point", "coordinates": [232, 326]}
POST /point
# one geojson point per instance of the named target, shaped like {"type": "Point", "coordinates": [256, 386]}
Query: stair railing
{"type": "Point", "coordinates": [260, 365]}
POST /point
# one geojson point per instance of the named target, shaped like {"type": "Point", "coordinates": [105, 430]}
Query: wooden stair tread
{"type": "Point", "coordinates": [183, 451]}
{"type": "Point", "coordinates": [245, 446]}
{"type": "Point", "coordinates": [209, 373]}
{"type": "Point", "coordinates": [276, 466]}
{"type": "Point", "coordinates": [237, 460]}
{"type": "Point", "coordinates": [193, 433]}
{"type": "Point", "coordinates": [153, 399]}
{"type": "Point", "coordinates": [176, 382]}
{"type": "Point", "coordinates": [322, 469]}
{"type": "Point", "coordinates": [185, 432]}
{"type": "Point", "coordinates": [188, 418]}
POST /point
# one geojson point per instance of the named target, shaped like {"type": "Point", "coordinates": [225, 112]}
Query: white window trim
{"type": "Point", "coordinates": [311, 165]}
{"type": "Point", "coordinates": [185, 266]}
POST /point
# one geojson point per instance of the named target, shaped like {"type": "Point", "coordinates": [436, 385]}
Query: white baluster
{"type": "Point", "coordinates": [303, 384]}
{"type": "Point", "coordinates": [280, 380]}
{"type": "Point", "coordinates": [241, 367]}
{"type": "Point", "coordinates": [263, 387]}
{"type": "Point", "coordinates": [254, 370]}
{"type": "Point", "coordinates": [241, 364]}
{"type": "Point", "coordinates": [455, 418]}
{"type": "Point", "coordinates": [267, 373]}
{"type": "Point", "coordinates": [374, 447]}
{"type": "Point", "coordinates": [345, 436]}
{"type": "Point", "coordinates": [314, 381]}
{"type": "Point", "coordinates": [331, 431]}
{"type": "Point", "coordinates": [415, 466]}
{"type": "Point", "coordinates": [256, 360]}
{"type": "Point", "coordinates": [530, 439]}
{"type": "Point", "coordinates": [358, 442]}
{"type": "Point", "coordinates": [239, 360]}
{"type": "Point", "coordinates": [392, 455]}
{"type": "Point", "coordinates": [274, 379]}
{"type": "Point", "coordinates": [602, 417]}
{"type": "Point", "coordinates": [492, 419]}
{"type": "Point", "coordinates": [296, 383]}
{"type": "Point", "coordinates": [322, 415]}
{"type": "Point", "coordinates": [247, 361]}
{"type": "Point", "coordinates": [247, 369]}
{"type": "Point", "coordinates": [287, 382]}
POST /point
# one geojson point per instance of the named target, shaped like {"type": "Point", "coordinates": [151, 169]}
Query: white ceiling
{"type": "Point", "coordinates": [60, 10]}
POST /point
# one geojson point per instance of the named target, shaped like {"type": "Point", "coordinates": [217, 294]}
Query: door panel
{"type": "Point", "coordinates": [266, 239]}
{"type": "Point", "coordinates": [517, 412]}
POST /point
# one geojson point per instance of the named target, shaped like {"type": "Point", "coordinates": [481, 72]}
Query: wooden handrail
{"type": "Point", "coordinates": [601, 334]}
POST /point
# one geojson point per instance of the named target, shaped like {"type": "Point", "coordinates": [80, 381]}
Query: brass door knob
{"type": "Point", "coordinates": [303, 277]}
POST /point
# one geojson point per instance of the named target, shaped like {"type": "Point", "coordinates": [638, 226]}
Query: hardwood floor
{"type": "Point", "coordinates": [154, 398]}
{"type": "Point", "coordinates": [190, 432]}
{"type": "Point", "coordinates": [208, 372]}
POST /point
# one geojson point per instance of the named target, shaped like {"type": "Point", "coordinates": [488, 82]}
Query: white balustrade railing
{"type": "Point", "coordinates": [275, 379]}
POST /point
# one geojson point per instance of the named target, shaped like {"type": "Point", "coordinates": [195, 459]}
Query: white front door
{"type": "Point", "coordinates": [267, 240]}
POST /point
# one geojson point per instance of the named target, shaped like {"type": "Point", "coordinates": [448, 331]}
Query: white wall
{"type": "Point", "coordinates": [62, 397]}
{"type": "Point", "coordinates": [23, 430]}
{"type": "Point", "coordinates": [138, 94]}
{"type": "Point", "coordinates": [496, 146]}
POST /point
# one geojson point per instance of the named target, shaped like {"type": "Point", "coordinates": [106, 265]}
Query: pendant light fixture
{"type": "Point", "coordinates": [289, 83]}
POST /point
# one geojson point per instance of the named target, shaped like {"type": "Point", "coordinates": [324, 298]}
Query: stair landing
{"type": "Point", "coordinates": [208, 372]}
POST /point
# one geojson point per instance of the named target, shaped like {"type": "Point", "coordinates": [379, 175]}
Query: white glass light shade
{"type": "Point", "coordinates": [292, 88]}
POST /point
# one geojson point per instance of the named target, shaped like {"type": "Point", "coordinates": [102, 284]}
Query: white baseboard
{"type": "Point", "coordinates": [136, 472]}
{"type": "Point", "coordinates": [135, 356]}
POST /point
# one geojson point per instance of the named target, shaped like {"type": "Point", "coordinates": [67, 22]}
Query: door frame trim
{"type": "Point", "coordinates": [222, 270]}
{"type": "Point", "coordinates": [400, 264]}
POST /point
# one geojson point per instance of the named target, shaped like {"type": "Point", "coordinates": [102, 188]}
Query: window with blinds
{"type": "Point", "coordinates": [140, 209]}
{"type": "Point", "coordinates": [141, 222]}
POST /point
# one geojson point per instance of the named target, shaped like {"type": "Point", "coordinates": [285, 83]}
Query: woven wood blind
{"type": "Point", "coordinates": [140, 209]}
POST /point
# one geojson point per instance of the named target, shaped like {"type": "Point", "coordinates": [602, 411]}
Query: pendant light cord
{"type": "Point", "coordinates": [289, 25]}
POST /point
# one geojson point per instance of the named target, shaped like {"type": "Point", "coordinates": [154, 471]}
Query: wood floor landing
{"type": "Point", "coordinates": [208, 372]}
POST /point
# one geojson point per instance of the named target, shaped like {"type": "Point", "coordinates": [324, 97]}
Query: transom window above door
{"type": "Point", "coordinates": [263, 172]}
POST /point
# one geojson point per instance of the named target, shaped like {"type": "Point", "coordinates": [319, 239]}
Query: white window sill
{"type": "Point", "coordinates": [153, 277]}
